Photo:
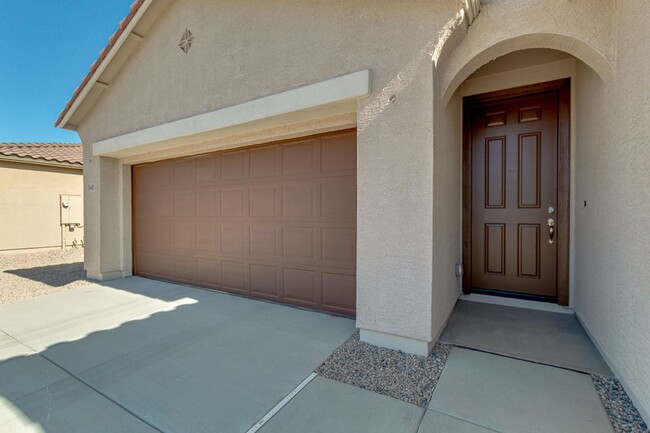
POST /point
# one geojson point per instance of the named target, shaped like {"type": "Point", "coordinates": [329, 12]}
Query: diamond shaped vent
{"type": "Point", "coordinates": [186, 41]}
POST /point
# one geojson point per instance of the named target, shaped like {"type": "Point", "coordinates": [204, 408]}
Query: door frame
{"type": "Point", "coordinates": [563, 89]}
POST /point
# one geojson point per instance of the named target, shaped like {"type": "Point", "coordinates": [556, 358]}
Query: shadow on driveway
{"type": "Point", "coordinates": [137, 355]}
{"type": "Point", "coordinates": [53, 275]}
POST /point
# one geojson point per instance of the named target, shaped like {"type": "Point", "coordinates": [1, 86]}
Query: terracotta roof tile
{"type": "Point", "coordinates": [102, 55]}
{"type": "Point", "coordinates": [56, 152]}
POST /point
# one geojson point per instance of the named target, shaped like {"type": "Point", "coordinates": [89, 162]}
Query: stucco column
{"type": "Point", "coordinates": [103, 212]}
{"type": "Point", "coordinates": [394, 223]}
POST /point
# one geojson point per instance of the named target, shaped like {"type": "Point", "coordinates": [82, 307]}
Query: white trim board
{"type": "Point", "coordinates": [326, 98]}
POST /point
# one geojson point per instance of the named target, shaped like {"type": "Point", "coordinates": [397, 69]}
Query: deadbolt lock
{"type": "Point", "coordinates": [551, 210]}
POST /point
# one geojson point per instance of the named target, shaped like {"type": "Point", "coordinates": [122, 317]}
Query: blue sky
{"type": "Point", "coordinates": [48, 47]}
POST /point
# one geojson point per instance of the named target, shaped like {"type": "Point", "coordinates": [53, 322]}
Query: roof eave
{"type": "Point", "coordinates": [92, 79]}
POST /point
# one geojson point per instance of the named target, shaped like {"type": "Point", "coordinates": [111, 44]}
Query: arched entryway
{"type": "Point", "coordinates": [521, 76]}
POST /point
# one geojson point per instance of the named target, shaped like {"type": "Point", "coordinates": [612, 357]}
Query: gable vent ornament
{"type": "Point", "coordinates": [186, 41]}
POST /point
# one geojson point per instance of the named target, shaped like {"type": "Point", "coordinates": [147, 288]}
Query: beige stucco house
{"type": "Point", "coordinates": [379, 158]}
{"type": "Point", "coordinates": [41, 196]}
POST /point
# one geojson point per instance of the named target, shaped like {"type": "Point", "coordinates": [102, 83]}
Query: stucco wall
{"type": "Point", "coordinates": [30, 205]}
{"type": "Point", "coordinates": [582, 28]}
{"type": "Point", "coordinates": [446, 210]}
{"type": "Point", "coordinates": [246, 49]}
{"type": "Point", "coordinates": [613, 230]}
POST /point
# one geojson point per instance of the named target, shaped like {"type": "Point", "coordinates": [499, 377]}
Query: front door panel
{"type": "Point", "coordinates": [514, 194]}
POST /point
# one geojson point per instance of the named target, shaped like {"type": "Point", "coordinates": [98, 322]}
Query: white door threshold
{"type": "Point", "coordinates": [518, 303]}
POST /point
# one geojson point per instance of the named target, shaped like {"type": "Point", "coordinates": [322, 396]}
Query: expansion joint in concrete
{"type": "Point", "coordinates": [86, 383]}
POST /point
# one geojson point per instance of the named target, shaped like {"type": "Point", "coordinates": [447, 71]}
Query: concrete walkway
{"type": "Point", "coordinates": [137, 355]}
{"type": "Point", "coordinates": [486, 392]}
{"type": "Point", "coordinates": [556, 339]}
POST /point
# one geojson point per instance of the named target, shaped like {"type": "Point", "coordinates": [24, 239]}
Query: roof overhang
{"type": "Point", "coordinates": [121, 44]}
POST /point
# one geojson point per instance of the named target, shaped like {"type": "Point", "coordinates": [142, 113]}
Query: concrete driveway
{"type": "Point", "coordinates": [137, 355]}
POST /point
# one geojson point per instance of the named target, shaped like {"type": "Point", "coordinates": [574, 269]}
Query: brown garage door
{"type": "Point", "coordinates": [276, 221]}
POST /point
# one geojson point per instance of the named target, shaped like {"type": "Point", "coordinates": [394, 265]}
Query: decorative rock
{"type": "Point", "coordinates": [625, 418]}
{"type": "Point", "coordinates": [403, 376]}
{"type": "Point", "coordinates": [31, 274]}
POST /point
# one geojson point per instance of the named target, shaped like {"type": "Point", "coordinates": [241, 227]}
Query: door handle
{"type": "Point", "coordinates": [551, 230]}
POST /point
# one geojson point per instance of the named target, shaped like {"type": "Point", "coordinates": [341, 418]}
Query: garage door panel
{"type": "Point", "coordinates": [339, 291]}
{"type": "Point", "coordinates": [155, 203]}
{"type": "Point", "coordinates": [234, 202]}
{"type": "Point", "coordinates": [164, 174]}
{"type": "Point", "coordinates": [207, 203]}
{"type": "Point", "coordinates": [208, 169]}
{"type": "Point", "coordinates": [298, 157]}
{"type": "Point", "coordinates": [264, 162]}
{"type": "Point", "coordinates": [298, 242]}
{"type": "Point", "coordinates": [208, 237]}
{"type": "Point", "coordinates": [339, 244]}
{"type": "Point", "coordinates": [265, 280]}
{"type": "Point", "coordinates": [234, 275]}
{"type": "Point", "coordinates": [299, 199]}
{"type": "Point", "coordinates": [147, 234]}
{"type": "Point", "coordinates": [234, 240]}
{"type": "Point", "coordinates": [339, 198]}
{"type": "Point", "coordinates": [156, 264]}
{"type": "Point", "coordinates": [337, 155]}
{"type": "Point", "coordinates": [185, 268]}
{"type": "Point", "coordinates": [146, 179]}
{"type": "Point", "coordinates": [145, 262]}
{"type": "Point", "coordinates": [146, 205]}
{"type": "Point", "coordinates": [184, 237]}
{"type": "Point", "coordinates": [264, 201]}
{"type": "Point", "coordinates": [209, 272]}
{"type": "Point", "coordinates": [234, 165]}
{"type": "Point", "coordinates": [184, 204]}
{"type": "Point", "coordinates": [154, 235]}
{"type": "Point", "coordinates": [300, 285]}
{"type": "Point", "coordinates": [264, 240]}
{"type": "Point", "coordinates": [185, 172]}
{"type": "Point", "coordinates": [276, 221]}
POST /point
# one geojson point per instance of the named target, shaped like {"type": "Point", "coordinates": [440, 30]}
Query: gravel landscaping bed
{"type": "Point", "coordinates": [27, 275]}
{"type": "Point", "coordinates": [625, 418]}
{"type": "Point", "coordinates": [403, 376]}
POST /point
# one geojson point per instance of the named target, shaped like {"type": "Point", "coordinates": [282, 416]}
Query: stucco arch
{"type": "Point", "coordinates": [464, 60]}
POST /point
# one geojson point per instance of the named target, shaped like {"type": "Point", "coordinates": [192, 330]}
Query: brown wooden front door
{"type": "Point", "coordinates": [514, 194]}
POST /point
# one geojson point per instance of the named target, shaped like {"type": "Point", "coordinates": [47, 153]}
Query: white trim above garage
{"type": "Point", "coordinates": [333, 97]}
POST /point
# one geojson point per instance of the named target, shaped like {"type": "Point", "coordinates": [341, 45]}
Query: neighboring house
{"type": "Point", "coordinates": [358, 156]}
{"type": "Point", "coordinates": [41, 190]}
